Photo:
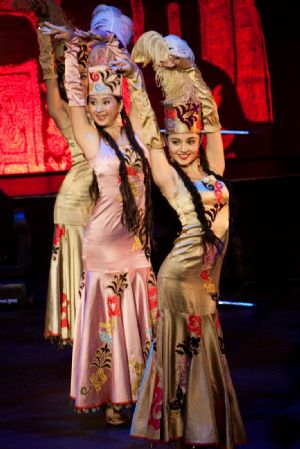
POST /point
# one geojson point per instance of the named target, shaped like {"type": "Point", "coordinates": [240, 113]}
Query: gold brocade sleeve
{"type": "Point", "coordinates": [210, 117]}
{"type": "Point", "coordinates": [147, 121]}
{"type": "Point", "coordinates": [46, 56]}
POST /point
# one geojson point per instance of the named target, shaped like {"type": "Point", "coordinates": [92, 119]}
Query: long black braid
{"type": "Point", "coordinates": [137, 223]}
{"type": "Point", "coordinates": [207, 169]}
{"type": "Point", "coordinates": [209, 238]}
{"type": "Point", "coordinates": [147, 221]}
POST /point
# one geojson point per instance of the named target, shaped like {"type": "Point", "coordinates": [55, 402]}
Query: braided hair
{"type": "Point", "coordinates": [136, 222]}
{"type": "Point", "coordinates": [209, 237]}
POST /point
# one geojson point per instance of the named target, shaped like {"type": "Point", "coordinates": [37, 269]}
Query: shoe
{"type": "Point", "coordinates": [114, 417]}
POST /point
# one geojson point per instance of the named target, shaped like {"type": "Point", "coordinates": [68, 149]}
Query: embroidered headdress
{"type": "Point", "coordinates": [102, 80]}
{"type": "Point", "coordinates": [186, 95]}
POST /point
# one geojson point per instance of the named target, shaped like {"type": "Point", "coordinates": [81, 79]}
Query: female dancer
{"type": "Point", "coordinates": [73, 202]}
{"type": "Point", "coordinates": [186, 394]}
{"type": "Point", "coordinates": [117, 304]}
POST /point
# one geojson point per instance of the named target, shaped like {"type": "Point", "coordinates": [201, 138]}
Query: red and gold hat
{"type": "Point", "coordinates": [182, 118]}
{"type": "Point", "coordinates": [103, 81]}
{"type": "Point", "coordinates": [187, 98]}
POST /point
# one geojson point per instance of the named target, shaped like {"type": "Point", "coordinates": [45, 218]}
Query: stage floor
{"type": "Point", "coordinates": [262, 346]}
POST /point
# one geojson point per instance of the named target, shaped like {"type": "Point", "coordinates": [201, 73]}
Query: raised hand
{"type": "Point", "coordinates": [177, 62]}
{"type": "Point", "coordinates": [58, 32]}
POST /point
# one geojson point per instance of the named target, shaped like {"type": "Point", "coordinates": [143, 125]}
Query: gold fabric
{"type": "Point", "coordinates": [210, 115]}
{"type": "Point", "coordinates": [71, 212]}
{"type": "Point", "coordinates": [186, 392]}
{"type": "Point", "coordinates": [147, 121]}
{"type": "Point", "coordinates": [46, 56]}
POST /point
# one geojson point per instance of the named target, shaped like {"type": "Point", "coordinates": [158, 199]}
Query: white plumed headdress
{"type": "Point", "coordinates": [110, 18]}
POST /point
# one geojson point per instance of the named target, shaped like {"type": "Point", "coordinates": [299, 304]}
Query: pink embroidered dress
{"type": "Point", "coordinates": [117, 298]}
{"type": "Point", "coordinates": [186, 393]}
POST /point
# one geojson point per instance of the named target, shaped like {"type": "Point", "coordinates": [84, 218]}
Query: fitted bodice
{"type": "Point", "coordinates": [214, 195]}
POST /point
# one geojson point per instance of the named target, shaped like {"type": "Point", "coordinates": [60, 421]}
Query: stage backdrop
{"type": "Point", "coordinates": [228, 41]}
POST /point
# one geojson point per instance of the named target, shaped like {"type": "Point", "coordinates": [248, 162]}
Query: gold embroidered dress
{"type": "Point", "coordinates": [186, 392]}
{"type": "Point", "coordinates": [118, 301]}
{"type": "Point", "coordinates": [71, 213]}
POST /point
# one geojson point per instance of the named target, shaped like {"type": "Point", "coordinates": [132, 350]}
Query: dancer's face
{"type": "Point", "coordinates": [184, 148]}
{"type": "Point", "coordinates": [104, 109]}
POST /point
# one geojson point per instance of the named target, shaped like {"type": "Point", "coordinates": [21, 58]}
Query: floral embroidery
{"type": "Point", "coordinates": [133, 161]}
{"type": "Point", "coordinates": [109, 325]}
{"type": "Point", "coordinates": [188, 347]}
{"type": "Point", "coordinates": [114, 306]}
{"type": "Point", "coordinates": [156, 406]}
{"type": "Point", "coordinates": [194, 324]}
{"type": "Point", "coordinates": [64, 322]}
{"type": "Point", "coordinates": [98, 379]}
{"type": "Point", "coordinates": [118, 285]}
{"type": "Point", "coordinates": [177, 406]}
{"type": "Point", "coordinates": [218, 191]}
{"type": "Point", "coordinates": [137, 371]}
{"type": "Point", "coordinates": [101, 361]}
{"type": "Point", "coordinates": [59, 231]}
{"type": "Point", "coordinates": [209, 285]}
{"type": "Point", "coordinates": [137, 244]}
{"type": "Point", "coordinates": [152, 297]}
{"type": "Point", "coordinates": [105, 337]}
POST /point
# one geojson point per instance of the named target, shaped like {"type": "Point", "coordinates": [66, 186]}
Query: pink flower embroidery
{"type": "Point", "coordinates": [194, 324]}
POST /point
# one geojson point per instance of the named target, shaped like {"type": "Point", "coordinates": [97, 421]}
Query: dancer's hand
{"type": "Point", "coordinates": [58, 32]}
{"type": "Point", "coordinates": [101, 35]}
{"type": "Point", "coordinates": [124, 66]}
{"type": "Point", "coordinates": [178, 62]}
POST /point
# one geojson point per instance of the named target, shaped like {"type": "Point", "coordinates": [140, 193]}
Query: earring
{"type": "Point", "coordinates": [119, 121]}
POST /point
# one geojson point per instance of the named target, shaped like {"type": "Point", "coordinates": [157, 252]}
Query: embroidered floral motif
{"type": "Point", "coordinates": [118, 285]}
{"type": "Point", "coordinates": [59, 231]}
{"type": "Point", "coordinates": [101, 361]}
{"type": "Point", "coordinates": [189, 346]}
{"type": "Point", "coordinates": [209, 285]}
{"type": "Point", "coordinates": [98, 379]}
{"type": "Point", "coordinates": [152, 297]}
{"type": "Point", "coordinates": [156, 406]}
{"type": "Point", "coordinates": [194, 324]}
{"type": "Point", "coordinates": [109, 325]}
{"type": "Point", "coordinates": [218, 190]}
{"type": "Point", "coordinates": [137, 374]}
{"type": "Point", "coordinates": [64, 321]}
{"type": "Point", "coordinates": [114, 306]}
{"type": "Point", "coordinates": [177, 406]}
{"type": "Point", "coordinates": [137, 244]}
{"type": "Point", "coordinates": [133, 161]}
